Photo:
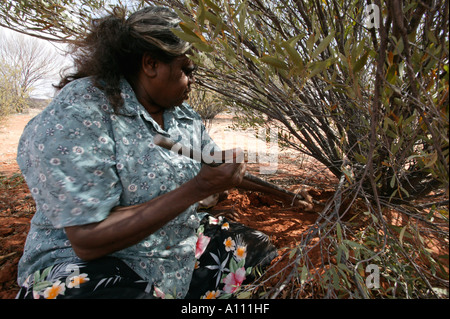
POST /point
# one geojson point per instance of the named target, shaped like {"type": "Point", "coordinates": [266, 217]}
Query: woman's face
{"type": "Point", "coordinates": [173, 82]}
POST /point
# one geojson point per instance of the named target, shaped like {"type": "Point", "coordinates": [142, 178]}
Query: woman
{"type": "Point", "coordinates": [117, 215]}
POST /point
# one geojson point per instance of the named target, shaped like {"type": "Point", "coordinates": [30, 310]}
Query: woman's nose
{"type": "Point", "coordinates": [191, 79]}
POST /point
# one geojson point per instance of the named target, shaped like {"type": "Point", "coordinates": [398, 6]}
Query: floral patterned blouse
{"type": "Point", "coordinates": [80, 159]}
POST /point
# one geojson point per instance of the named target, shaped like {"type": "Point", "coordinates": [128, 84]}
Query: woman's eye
{"type": "Point", "coordinates": [190, 70]}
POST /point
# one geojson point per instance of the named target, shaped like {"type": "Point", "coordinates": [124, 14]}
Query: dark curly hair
{"type": "Point", "coordinates": [114, 47]}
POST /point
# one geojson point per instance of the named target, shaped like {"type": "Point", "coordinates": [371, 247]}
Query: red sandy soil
{"type": "Point", "coordinates": [16, 204]}
{"type": "Point", "coordinates": [284, 224]}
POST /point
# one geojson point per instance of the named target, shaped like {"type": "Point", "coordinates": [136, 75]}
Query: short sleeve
{"type": "Point", "coordinates": [67, 156]}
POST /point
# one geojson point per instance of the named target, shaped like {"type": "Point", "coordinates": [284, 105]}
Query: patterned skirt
{"type": "Point", "coordinates": [229, 255]}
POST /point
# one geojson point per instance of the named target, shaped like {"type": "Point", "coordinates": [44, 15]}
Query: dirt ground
{"type": "Point", "coordinates": [284, 224]}
{"type": "Point", "coordinates": [16, 204]}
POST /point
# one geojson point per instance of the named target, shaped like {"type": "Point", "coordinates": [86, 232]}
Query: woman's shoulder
{"type": "Point", "coordinates": [77, 105]}
{"type": "Point", "coordinates": [76, 86]}
{"type": "Point", "coordinates": [81, 96]}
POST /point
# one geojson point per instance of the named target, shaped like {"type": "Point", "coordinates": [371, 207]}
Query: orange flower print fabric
{"type": "Point", "coordinates": [228, 253]}
{"type": "Point", "coordinates": [226, 260]}
{"type": "Point", "coordinates": [106, 277]}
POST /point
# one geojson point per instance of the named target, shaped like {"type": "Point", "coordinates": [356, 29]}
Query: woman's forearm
{"type": "Point", "coordinates": [126, 226]}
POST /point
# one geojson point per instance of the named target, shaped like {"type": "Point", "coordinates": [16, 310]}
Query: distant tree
{"type": "Point", "coordinates": [208, 104]}
{"type": "Point", "coordinates": [12, 99]}
{"type": "Point", "coordinates": [32, 60]}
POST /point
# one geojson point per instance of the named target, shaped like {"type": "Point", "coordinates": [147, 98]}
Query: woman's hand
{"type": "Point", "coordinates": [211, 180]}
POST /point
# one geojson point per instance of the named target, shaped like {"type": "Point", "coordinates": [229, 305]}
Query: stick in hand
{"type": "Point", "coordinates": [184, 150]}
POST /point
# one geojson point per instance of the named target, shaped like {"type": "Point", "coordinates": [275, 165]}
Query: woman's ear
{"type": "Point", "coordinates": [149, 65]}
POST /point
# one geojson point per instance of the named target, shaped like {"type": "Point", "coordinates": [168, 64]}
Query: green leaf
{"type": "Point", "coordinates": [402, 233]}
{"type": "Point", "coordinates": [230, 54]}
{"type": "Point", "coordinates": [353, 244]}
{"type": "Point", "coordinates": [183, 17]}
{"type": "Point", "coordinates": [310, 42]}
{"type": "Point", "coordinates": [219, 28]}
{"type": "Point", "coordinates": [356, 52]}
{"type": "Point", "coordinates": [241, 263]}
{"type": "Point", "coordinates": [399, 47]}
{"type": "Point", "coordinates": [320, 66]}
{"type": "Point", "coordinates": [45, 272]}
{"type": "Point", "coordinates": [42, 285]}
{"type": "Point", "coordinates": [36, 277]}
{"type": "Point", "coordinates": [335, 278]}
{"type": "Point", "coordinates": [343, 249]}
{"type": "Point", "coordinates": [322, 46]}
{"type": "Point", "coordinates": [275, 62]}
{"type": "Point", "coordinates": [304, 274]}
{"type": "Point", "coordinates": [187, 36]}
{"type": "Point", "coordinates": [390, 74]}
{"type": "Point", "coordinates": [203, 47]}
{"type": "Point", "coordinates": [347, 173]}
{"type": "Point", "coordinates": [225, 296]}
{"type": "Point", "coordinates": [431, 159]}
{"type": "Point", "coordinates": [238, 10]}
{"type": "Point", "coordinates": [213, 6]}
{"type": "Point", "coordinates": [404, 191]}
{"type": "Point", "coordinates": [361, 62]}
{"type": "Point", "coordinates": [292, 253]}
{"type": "Point", "coordinates": [241, 21]}
{"type": "Point", "coordinates": [399, 230]}
{"type": "Point", "coordinates": [233, 266]}
{"type": "Point", "coordinates": [432, 37]}
{"type": "Point", "coordinates": [293, 54]}
{"type": "Point", "coordinates": [244, 295]}
{"type": "Point", "coordinates": [201, 230]}
{"type": "Point", "coordinates": [339, 231]}
{"type": "Point", "coordinates": [214, 19]}
{"type": "Point", "coordinates": [361, 158]}
{"type": "Point", "coordinates": [392, 183]}
{"type": "Point", "coordinates": [188, 28]}
{"type": "Point", "coordinates": [396, 146]}
{"type": "Point", "coordinates": [201, 13]}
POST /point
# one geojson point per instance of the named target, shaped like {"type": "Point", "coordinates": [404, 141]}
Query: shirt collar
{"type": "Point", "coordinates": [132, 107]}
